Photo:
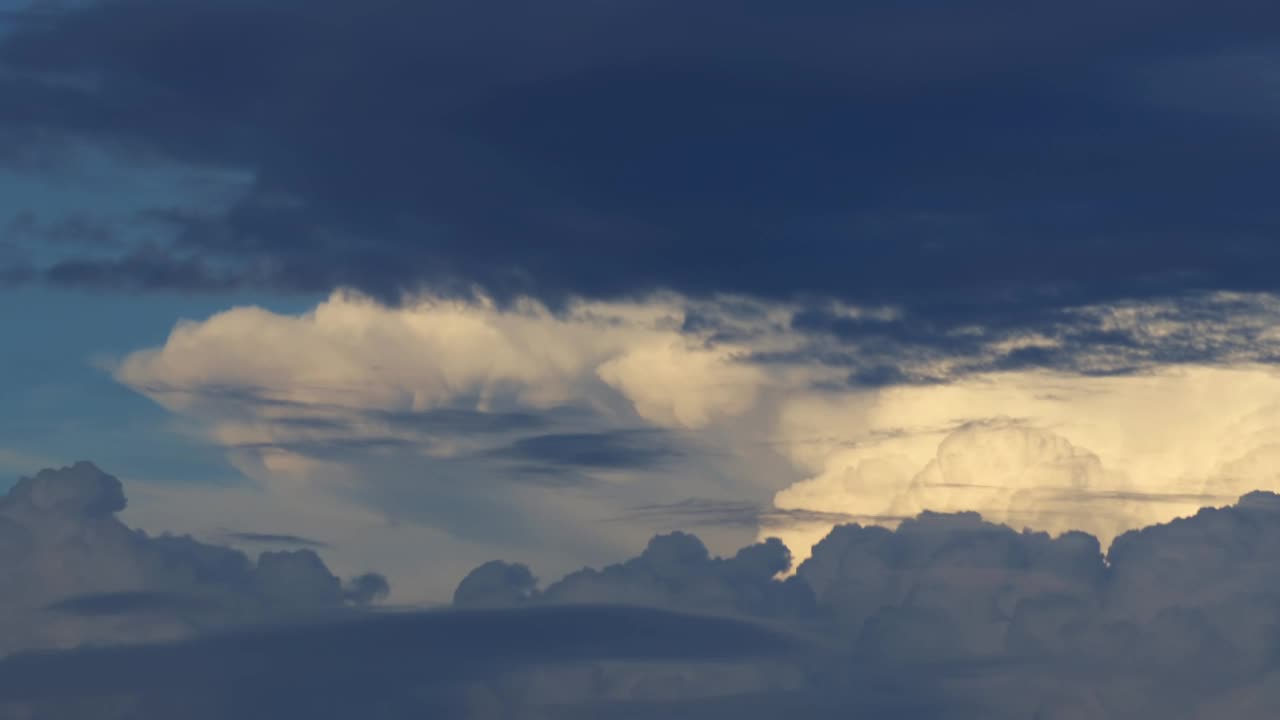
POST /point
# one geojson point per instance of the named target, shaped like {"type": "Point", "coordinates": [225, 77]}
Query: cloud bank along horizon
{"type": "Point", "coordinates": [946, 615]}
{"type": "Point", "coordinates": [608, 421]}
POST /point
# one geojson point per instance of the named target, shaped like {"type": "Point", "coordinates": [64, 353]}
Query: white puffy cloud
{"type": "Point", "coordinates": [353, 352]}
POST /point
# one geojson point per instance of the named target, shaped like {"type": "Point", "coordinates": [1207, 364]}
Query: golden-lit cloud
{"type": "Point", "coordinates": [1043, 450]}
{"type": "Point", "coordinates": [1142, 413]}
{"type": "Point", "coordinates": [351, 351]}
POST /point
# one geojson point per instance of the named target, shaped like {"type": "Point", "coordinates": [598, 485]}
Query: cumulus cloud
{"type": "Point", "coordinates": [1015, 474]}
{"type": "Point", "coordinates": [974, 619]}
{"type": "Point", "coordinates": [75, 574]}
{"type": "Point", "coordinates": [1036, 449]}
{"type": "Point", "coordinates": [948, 615]}
{"type": "Point", "coordinates": [674, 571]}
{"type": "Point", "coordinates": [495, 584]}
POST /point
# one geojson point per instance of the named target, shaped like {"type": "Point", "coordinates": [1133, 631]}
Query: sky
{"type": "Point", "coordinates": [639, 359]}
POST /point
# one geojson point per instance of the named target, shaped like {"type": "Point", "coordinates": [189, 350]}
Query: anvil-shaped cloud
{"type": "Point", "coordinates": [518, 427]}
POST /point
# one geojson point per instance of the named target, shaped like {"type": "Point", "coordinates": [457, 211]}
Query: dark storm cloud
{"type": "Point", "coordinates": [1117, 338]}
{"type": "Point", "coordinates": [956, 158]}
{"type": "Point", "coordinates": [146, 268]}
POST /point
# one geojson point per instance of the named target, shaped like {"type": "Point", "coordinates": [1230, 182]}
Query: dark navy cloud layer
{"type": "Point", "coordinates": [956, 159]}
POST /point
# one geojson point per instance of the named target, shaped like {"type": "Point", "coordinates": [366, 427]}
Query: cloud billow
{"type": "Point", "coordinates": [674, 571]}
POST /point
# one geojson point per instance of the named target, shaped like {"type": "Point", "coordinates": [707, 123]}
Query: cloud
{"type": "Point", "coordinates": [495, 584]}
{"type": "Point", "coordinates": [350, 351]}
{"type": "Point", "coordinates": [674, 571]}
{"type": "Point", "coordinates": [704, 512]}
{"type": "Point", "coordinates": [75, 574]}
{"type": "Point", "coordinates": [366, 589]}
{"type": "Point", "coordinates": [952, 616]}
{"type": "Point", "coordinates": [956, 184]}
{"type": "Point", "coordinates": [962, 575]}
{"type": "Point", "coordinates": [1048, 451]}
{"type": "Point", "coordinates": [75, 229]}
{"type": "Point", "coordinates": [525, 426]}
{"type": "Point", "coordinates": [946, 615]}
{"type": "Point", "coordinates": [493, 426]}
{"type": "Point", "coordinates": [357, 537]}
{"type": "Point", "coordinates": [621, 449]}
{"type": "Point", "coordinates": [565, 319]}
{"type": "Point", "coordinates": [675, 387]}
{"type": "Point", "coordinates": [274, 539]}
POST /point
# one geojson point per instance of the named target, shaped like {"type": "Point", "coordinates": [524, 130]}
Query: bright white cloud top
{"type": "Point", "coordinates": [410, 412]}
